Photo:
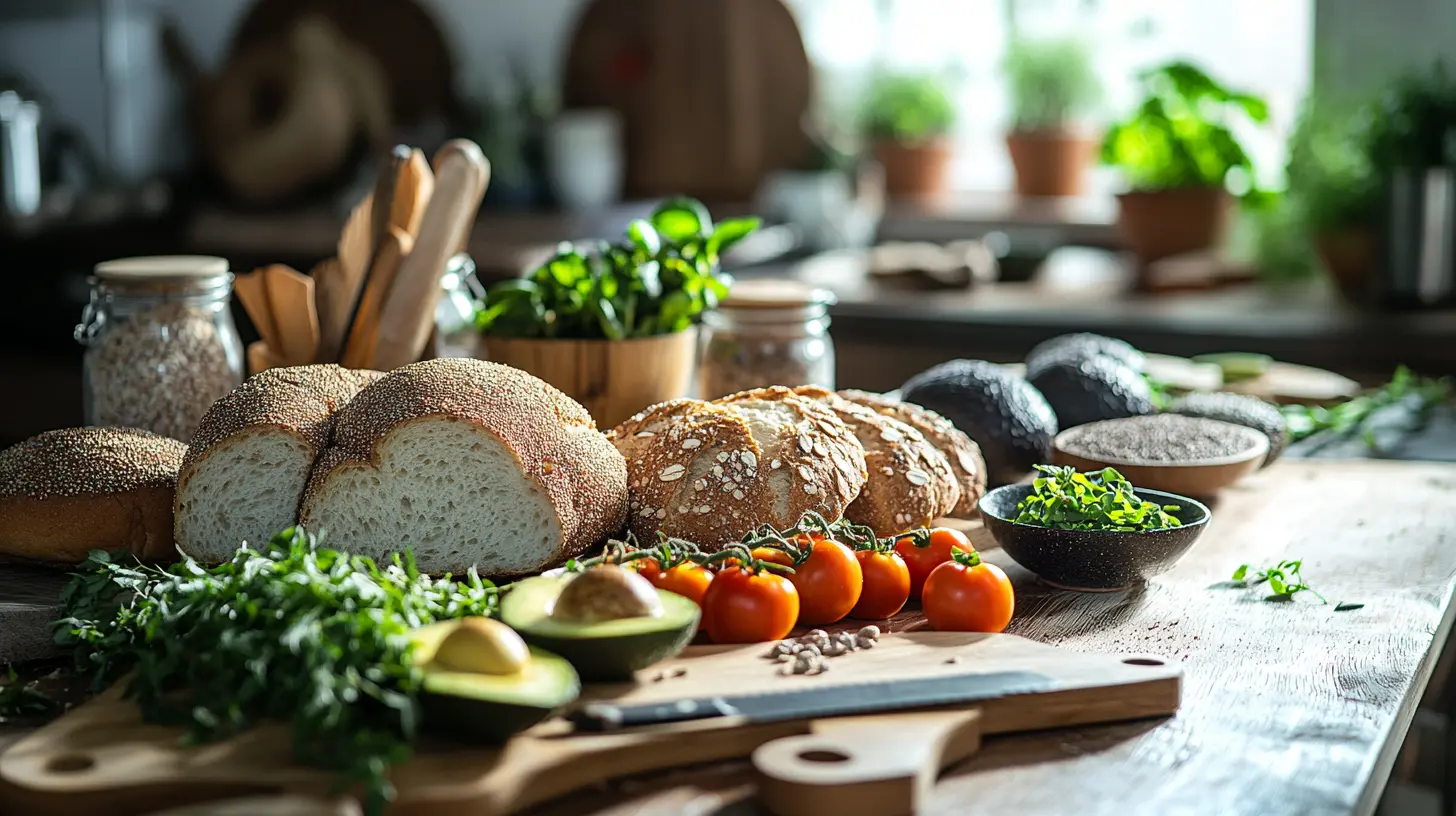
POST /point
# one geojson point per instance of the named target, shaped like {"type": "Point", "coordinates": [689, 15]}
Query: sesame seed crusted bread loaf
{"type": "Point", "coordinates": [250, 459]}
{"type": "Point", "coordinates": [964, 454]}
{"type": "Point", "coordinates": [712, 472]}
{"type": "Point", "coordinates": [909, 484]}
{"type": "Point", "coordinates": [65, 493]}
{"type": "Point", "coordinates": [467, 463]}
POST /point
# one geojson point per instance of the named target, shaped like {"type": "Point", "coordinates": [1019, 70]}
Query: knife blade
{"type": "Point", "coordinates": [809, 703]}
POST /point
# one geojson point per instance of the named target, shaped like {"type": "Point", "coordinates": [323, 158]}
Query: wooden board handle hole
{"type": "Point", "coordinates": [823, 756]}
{"type": "Point", "coordinates": [70, 763]}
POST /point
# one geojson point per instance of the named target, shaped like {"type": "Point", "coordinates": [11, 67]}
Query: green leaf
{"type": "Point", "coordinates": [681, 219]}
{"type": "Point", "coordinates": [1242, 571]}
{"type": "Point", "coordinates": [1347, 606]}
{"type": "Point", "coordinates": [644, 237]}
{"type": "Point", "coordinates": [1277, 585]}
{"type": "Point", "coordinates": [728, 232]}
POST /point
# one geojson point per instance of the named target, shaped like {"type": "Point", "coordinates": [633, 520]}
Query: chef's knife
{"type": "Point", "coordinates": [809, 703]}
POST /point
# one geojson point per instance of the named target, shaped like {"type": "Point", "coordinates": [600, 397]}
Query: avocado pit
{"type": "Point", "coordinates": [606, 593]}
{"type": "Point", "coordinates": [483, 646]}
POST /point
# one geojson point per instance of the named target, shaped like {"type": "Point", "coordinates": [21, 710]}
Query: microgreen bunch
{"type": "Point", "coordinates": [1063, 499]}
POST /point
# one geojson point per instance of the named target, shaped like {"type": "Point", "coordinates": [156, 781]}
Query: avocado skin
{"type": "Point", "coordinates": [1093, 389]}
{"type": "Point", "coordinates": [998, 410]}
{"type": "Point", "coordinates": [1240, 409]}
{"type": "Point", "coordinates": [478, 721]}
{"type": "Point", "coordinates": [1082, 346]}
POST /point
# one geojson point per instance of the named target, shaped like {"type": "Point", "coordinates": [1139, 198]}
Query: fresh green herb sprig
{"type": "Point", "coordinates": [20, 699]}
{"type": "Point", "coordinates": [1351, 418]}
{"type": "Point", "coordinates": [1285, 580]}
{"type": "Point", "coordinates": [657, 280]}
{"type": "Point", "coordinates": [290, 631]}
{"type": "Point", "coordinates": [1064, 499]}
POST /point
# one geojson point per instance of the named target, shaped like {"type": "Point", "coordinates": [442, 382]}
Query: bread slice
{"type": "Point", "coordinates": [65, 493]}
{"type": "Point", "coordinates": [467, 463]}
{"type": "Point", "coordinates": [712, 472]}
{"type": "Point", "coordinates": [963, 454]}
{"type": "Point", "coordinates": [251, 456]}
{"type": "Point", "coordinates": [910, 482]}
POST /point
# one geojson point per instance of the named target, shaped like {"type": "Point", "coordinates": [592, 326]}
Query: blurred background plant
{"type": "Point", "coordinates": [908, 108]}
{"type": "Point", "coordinates": [1052, 83]}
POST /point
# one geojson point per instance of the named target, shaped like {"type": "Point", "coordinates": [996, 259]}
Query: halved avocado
{"type": "Point", "coordinates": [605, 651]}
{"type": "Point", "coordinates": [489, 708]}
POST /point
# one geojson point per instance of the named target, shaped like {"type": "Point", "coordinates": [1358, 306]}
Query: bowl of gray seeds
{"type": "Point", "coordinates": [1191, 456]}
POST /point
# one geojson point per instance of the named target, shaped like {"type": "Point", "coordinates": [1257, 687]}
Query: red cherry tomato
{"type": "Point", "coordinates": [921, 560]}
{"type": "Point", "coordinates": [687, 579]}
{"type": "Point", "coordinates": [743, 606]}
{"type": "Point", "coordinates": [886, 585]}
{"type": "Point", "coordinates": [968, 595]}
{"type": "Point", "coordinates": [829, 580]}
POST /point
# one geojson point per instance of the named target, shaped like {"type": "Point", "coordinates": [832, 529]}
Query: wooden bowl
{"type": "Point", "coordinates": [1204, 477]}
{"type": "Point", "coordinates": [1089, 560]}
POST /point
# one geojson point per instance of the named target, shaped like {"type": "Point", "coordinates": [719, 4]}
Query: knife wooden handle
{"type": "Point", "coordinates": [875, 765]}
{"type": "Point", "coordinates": [408, 316]}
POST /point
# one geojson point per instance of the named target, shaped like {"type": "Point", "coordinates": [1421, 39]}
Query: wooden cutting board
{"type": "Point", "coordinates": [101, 758]}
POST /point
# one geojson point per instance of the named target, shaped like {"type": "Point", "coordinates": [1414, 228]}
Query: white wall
{"type": "Point", "coordinates": [1361, 44]}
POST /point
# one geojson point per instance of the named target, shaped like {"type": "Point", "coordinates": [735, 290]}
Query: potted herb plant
{"type": "Point", "coordinates": [1180, 156]}
{"type": "Point", "coordinates": [613, 325]}
{"type": "Point", "coordinates": [1053, 86]}
{"type": "Point", "coordinates": [907, 118]}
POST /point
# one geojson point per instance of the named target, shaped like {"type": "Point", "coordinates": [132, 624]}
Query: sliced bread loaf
{"type": "Point", "coordinates": [910, 483]}
{"type": "Point", "coordinates": [65, 493]}
{"type": "Point", "coordinates": [250, 459]}
{"type": "Point", "coordinates": [964, 455]}
{"type": "Point", "coordinates": [467, 463]}
{"type": "Point", "coordinates": [712, 472]}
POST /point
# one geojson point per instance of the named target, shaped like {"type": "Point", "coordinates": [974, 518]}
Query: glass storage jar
{"type": "Point", "coordinates": [767, 332]}
{"type": "Point", "coordinates": [161, 345]}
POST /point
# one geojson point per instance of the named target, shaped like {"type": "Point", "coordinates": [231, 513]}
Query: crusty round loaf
{"type": "Point", "coordinates": [467, 463]}
{"type": "Point", "coordinates": [909, 484]}
{"type": "Point", "coordinates": [65, 493]}
{"type": "Point", "coordinates": [964, 455]}
{"type": "Point", "coordinates": [712, 472]}
{"type": "Point", "coordinates": [249, 460]}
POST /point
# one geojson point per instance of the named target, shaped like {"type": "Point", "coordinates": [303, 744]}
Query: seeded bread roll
{"type": "Point", "coordinates": [250, 459]}
{"type": "Point", "coordinates": [910, 483]}
{"type": "Point", "coordinates": [963, 454]}
{"type": "Point", "coordinates": [467, 463]}
{"type": "Point", "coordinates": [65, 493]}
{"type": "Point", "coordinates": [712, 472]}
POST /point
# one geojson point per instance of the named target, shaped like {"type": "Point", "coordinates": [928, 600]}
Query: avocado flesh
{"type": "Point", "coordinates": [606, 651]}
{"type": "Point", "coordinates": [489, 708]}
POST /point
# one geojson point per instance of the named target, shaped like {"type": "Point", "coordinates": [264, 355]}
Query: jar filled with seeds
{"type": "Point", "coordinates": [160, 341]}
{"type": "Point", "coordinates": [767, 332]}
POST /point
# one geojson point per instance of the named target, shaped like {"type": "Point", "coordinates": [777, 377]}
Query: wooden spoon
{"type": "Point", "coordinates": [291, 294]}
{"type": "Point", "coordinates": [359, 351]}
{"type": "Point", "coordinates": [412, 194]}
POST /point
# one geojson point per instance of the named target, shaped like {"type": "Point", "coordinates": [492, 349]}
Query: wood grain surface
{"type": "Point", "coordinates": [29, 604]}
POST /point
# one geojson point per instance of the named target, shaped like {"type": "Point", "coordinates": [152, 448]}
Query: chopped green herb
{"type": "Point", "coordinates": [1064, 499]}
{"type": "Point", "coordinates": [291, 631]}
{"type": "Point", "coordinates": [1349, 419]}
{"type": "Point", "coordinates": [1346, 606]}
{"type": "Point", "coordinates": [23, 699]}
{"type": "Point", "coordinates": [1285, 580]}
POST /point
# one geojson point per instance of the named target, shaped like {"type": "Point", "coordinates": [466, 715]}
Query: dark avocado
{"type": "Point", "coordinates": [998, 410]}
{"type": "Point", "coordinates": [1092, 389]}
{"type": "Point", "coordinates": [1240, 409]}
{"type": "Point", "coordinates": [604, 650]}
{"type": "Point", "coordinates": [1082, 346]}
{"type": "Point", "coordinates": [488, 708]}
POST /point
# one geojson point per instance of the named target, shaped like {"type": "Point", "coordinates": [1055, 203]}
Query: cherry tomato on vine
{"type": "Point", "coordinates": [829, 580]}
{"type": "Point", "coordinates": [747, 606]}
{"type": "Point", "coordinates": [886, 585]}
{"type": "Point", "coordinates": [687, 579]}
{"type": "Point", "coordinates": [922, 560]}
{"type": "Point", "coordinates": [968, 595]}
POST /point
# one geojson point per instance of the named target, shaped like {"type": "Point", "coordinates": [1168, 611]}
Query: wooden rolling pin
{"type": "Point", "coordinates": [408, 315]}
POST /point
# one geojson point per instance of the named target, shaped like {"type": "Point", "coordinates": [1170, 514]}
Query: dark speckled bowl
{"type": "Point", "coordinates": [1088, 560]}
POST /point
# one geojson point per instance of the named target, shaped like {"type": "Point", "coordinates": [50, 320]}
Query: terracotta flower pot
{"type": "Point", "coordinates": [1156, 224]}
{"type": "Point", "coordinates": [614, 379]}
{"type": "Point", "coordinates": [1349, 255]}
{"type": "Point", "coordinates": [1050, 162]}
{"type": "Point", "coordinates": [916, 171]}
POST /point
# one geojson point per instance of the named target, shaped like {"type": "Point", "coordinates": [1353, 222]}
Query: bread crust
{"type": "Point", "coordinates": [910, 483]}
{"type": "Point", "coordinates": [553, 438]}
{"type": "Point", "coordinates": [697, 471]}
{"type": "Point", "coordinates": [65, 493]}
{"type": "Point", "coordinates": [963, 454]}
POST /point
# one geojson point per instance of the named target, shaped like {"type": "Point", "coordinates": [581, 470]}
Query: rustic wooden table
{"type": "Point", "coordinates": [1288, 708]}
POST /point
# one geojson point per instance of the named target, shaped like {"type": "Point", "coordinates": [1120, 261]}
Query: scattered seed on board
{"type": "Point", "coordinates": [872, 632]}
{"type": "Point", "coordinates": [953, 659]}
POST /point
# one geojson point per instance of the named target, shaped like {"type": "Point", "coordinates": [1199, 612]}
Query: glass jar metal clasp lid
{"type": "Point", "coordinates": [164, 273]}
{"type": "Point", "coordinates": [785, 298]}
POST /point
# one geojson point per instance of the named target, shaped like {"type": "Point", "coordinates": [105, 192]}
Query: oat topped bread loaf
{"type": "Point", "coordinates": [712, 472]}
{"type": "Point", "coordinates": [250, 459]}
{"type": "Point", "coordinates": [65, 493]}
{"type": "Point", "coordinates": [909, 484]}
{"type": "Point", "coordinates": [963, 454]}
{"type": "Point", "coordinates": [467, 463]}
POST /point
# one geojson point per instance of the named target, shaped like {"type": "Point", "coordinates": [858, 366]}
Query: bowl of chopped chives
{"type": "Point", "coordinates": [1092, 531]}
